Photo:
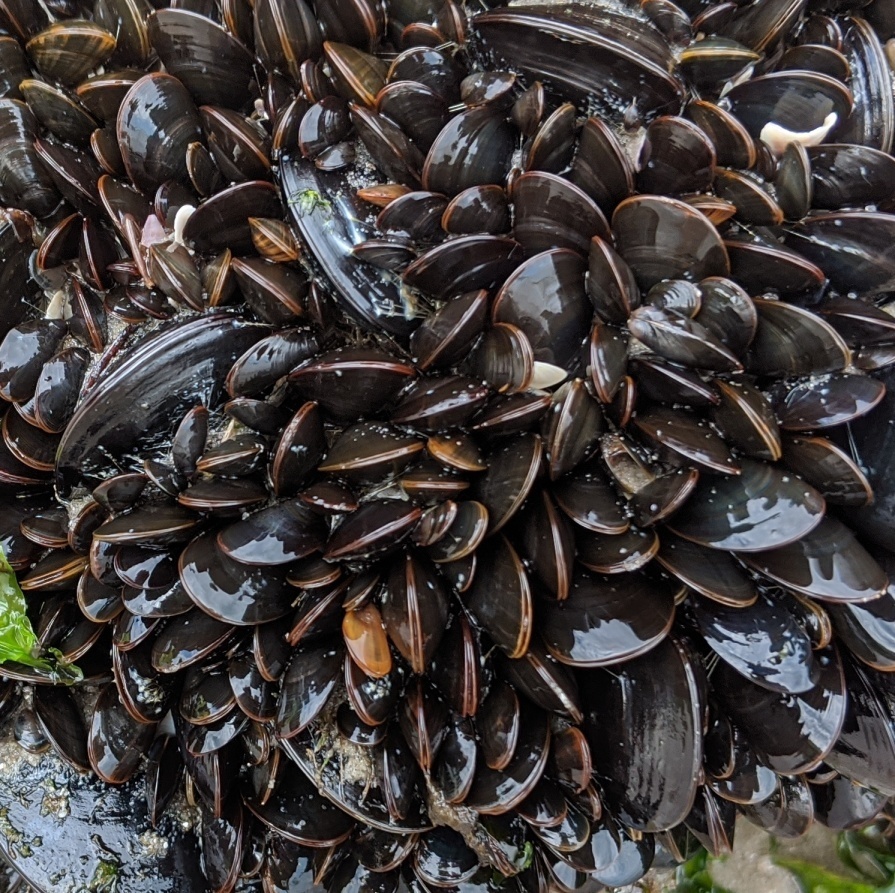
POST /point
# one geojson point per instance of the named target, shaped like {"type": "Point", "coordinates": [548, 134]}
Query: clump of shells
{"type": "Point", "coordinates": [454, 443]}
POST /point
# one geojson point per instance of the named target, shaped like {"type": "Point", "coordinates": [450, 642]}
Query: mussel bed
{"type": "Point", "coordinates": [450, 445]}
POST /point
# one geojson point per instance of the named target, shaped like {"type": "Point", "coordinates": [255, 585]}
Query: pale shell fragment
{"type": "Point", "coordinates": [546, 375]}
{"type": "Point", "coordinates": [778, 138]}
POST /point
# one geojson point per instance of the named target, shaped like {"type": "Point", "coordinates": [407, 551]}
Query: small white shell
{"type": "Point", "coordinates": [59, 307]}
{"type": "Point", "coordinates": [778, 138]}
{"type": "Point", "coordinates": [184, 212]}
{"type": "Point", "coordinates": [153, 232]}
{"type": "Point", "coordinates": [546, 375]}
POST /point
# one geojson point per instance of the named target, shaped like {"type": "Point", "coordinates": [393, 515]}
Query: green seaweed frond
{"type": "Point", "coordinates": [18, 643]}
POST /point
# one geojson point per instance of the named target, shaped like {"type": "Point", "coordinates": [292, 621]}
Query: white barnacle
{"type": "Point", "coordinates": [778, 137]}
